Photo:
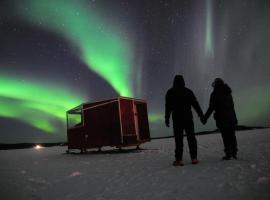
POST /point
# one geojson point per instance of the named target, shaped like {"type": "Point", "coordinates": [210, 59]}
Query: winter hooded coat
{"type": "Point", "coordinates": [179, 101]}
{"type": "Point", "coordinates": [221, 102]}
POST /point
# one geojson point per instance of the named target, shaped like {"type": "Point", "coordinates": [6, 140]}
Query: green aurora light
{"type": "Point", "coordinates": [39, 105]}
{"type": "Point", "coordinates": [35, 104]}
{"type": "Point", "coordinates": [208, 31]}
{"type": "Point", "coordinates": [102, 48]}
{"type": "Point", "coordinates": [253, 106]}
{"type": "Point", "coordinates": [155, 118]}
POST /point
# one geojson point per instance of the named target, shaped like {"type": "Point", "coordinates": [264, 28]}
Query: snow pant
{"type": "Point", "coordinates": [179, 128]}
{"type": "Point", "coordinates": [229, 140]}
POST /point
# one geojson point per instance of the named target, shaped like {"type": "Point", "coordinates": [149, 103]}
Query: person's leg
{"type": "Point", "coordinates": [178, 137]}
{"type": "Point", "coordinates": [192, 142]}
{"type": "Point", "coordinates": [225, 133]}
{"type": "Point", "coordinates": [233, 142]}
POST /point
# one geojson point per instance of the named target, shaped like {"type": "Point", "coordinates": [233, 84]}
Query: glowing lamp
{"type": "Point", "coordinates": [38, 146]}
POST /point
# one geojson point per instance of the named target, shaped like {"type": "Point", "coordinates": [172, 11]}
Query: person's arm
{"type": "Point", "coordinates": [211, 108]}
{"type": "Point", "coordinates": [196, 105]}
{"type": "Point", "coordinates": [168, 109]}
{"type": "Point", "coordinates": [235, 117]}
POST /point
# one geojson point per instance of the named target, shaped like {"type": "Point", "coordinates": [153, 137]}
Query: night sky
{"type": "Point", "coordinates": [57, 54]}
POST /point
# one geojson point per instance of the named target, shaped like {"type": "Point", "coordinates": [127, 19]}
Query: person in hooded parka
{"type": "Point", "coordinates": [178, 102]}
{"type": "Point", "coordinates": [221, 102]}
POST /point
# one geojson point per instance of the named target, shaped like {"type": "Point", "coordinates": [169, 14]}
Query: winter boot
{"type": "Point", "coordinates": [226, 158]}
{"type": "Point", "coordinates": [178, 163]}
{"type": "Point", "coordinates": [194, 162]}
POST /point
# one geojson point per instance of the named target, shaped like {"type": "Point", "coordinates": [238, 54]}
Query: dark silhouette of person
{"type": "Point", "coordinates": [221, 102]}
{"type": "Point", "coordinates": [178, 102]}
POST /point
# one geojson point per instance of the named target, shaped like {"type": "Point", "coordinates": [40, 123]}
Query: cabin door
{"type": "Point", "coordinates": [141, 121]}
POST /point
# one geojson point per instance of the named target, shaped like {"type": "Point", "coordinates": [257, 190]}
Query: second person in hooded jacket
{"type": "Point", "coordinates": [221, 102]}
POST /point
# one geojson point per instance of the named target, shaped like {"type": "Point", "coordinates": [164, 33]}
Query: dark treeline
{"type": "Point", "coordinates": [4, 146]}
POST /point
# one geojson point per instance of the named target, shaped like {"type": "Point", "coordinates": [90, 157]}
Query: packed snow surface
{"type": "Point", "coordinates": [50, 173]}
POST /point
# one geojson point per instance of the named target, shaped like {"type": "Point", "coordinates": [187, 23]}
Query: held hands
{"type": "Point", "coordinates": [203, 120]}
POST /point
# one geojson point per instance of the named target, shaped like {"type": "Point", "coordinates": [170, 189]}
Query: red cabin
{"type": "Point", "coordinates": [118, 122]}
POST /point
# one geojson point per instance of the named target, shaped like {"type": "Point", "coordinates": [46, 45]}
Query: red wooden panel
{"type": "Point", "coordinates": [76, 138]}
{"type": "Point", "coordinates": [102, 124]}
{"type": "Point", "coordinates": [130, 140]}
{"type": "Point", "coordinates": [143, 124]}
{"type": "Point", "coordinates": [127, 117]}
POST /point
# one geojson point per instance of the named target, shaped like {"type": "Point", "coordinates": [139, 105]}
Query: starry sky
{"type": "Point", "coordinates": [57, 54]}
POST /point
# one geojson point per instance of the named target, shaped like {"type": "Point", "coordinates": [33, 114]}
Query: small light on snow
{"type": "Point", "coordinates": [38, 146]}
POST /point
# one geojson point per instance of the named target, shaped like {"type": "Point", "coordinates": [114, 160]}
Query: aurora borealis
{"type": "Point", "coordinates": [208, 35]}
{"type": "Point", "coordinates": [22, 100]}
{"type": "Point", "coordinates": [101, 47]}
{"type": "Point", "coordinates": [56, 54]}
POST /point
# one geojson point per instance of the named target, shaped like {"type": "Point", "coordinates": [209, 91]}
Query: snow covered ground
{"type": "Point", "coordinates": [50, 173]}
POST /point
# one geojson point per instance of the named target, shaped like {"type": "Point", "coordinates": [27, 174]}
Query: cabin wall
{"type": "Point", "coordinates": [102, 124]}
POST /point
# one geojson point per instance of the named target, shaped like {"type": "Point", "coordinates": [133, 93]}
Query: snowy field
{"type": "Point", "coordinates": [50, 173]}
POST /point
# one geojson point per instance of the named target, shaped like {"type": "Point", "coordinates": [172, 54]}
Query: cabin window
{"type": "Point", "coordinates": [74, 118]}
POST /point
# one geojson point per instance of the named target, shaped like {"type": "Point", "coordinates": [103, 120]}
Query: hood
{"type": "Point", "coordinates": [217, 82]}
{"type": "Point", "coordinates": [221, 87]}
{"type": "Point", "coordinates": [178, 82]}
